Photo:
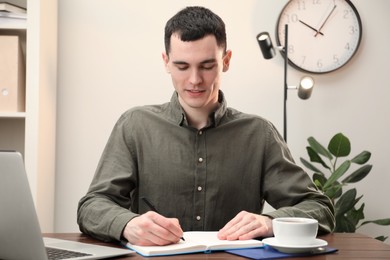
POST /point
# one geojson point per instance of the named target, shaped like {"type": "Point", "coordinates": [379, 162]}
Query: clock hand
{"type": "Point", "coordinates": [314, 29]}
{"type": "Point", "coordinates": [319, 30]}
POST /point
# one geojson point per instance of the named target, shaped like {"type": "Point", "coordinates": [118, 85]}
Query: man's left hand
{"type": "Point", "coordinates": [246, 225]}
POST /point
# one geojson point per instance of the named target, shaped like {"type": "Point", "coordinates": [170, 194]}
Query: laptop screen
{"type": "Point", "coordinates": [20, 234]}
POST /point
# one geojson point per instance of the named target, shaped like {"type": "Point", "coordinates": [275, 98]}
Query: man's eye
{"type": "Point", "coordinates": [182, 67]}
{"type": "Point", "coordinates": [210, 67]}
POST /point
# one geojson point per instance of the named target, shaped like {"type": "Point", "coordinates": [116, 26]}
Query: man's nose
{"type": "Point", "coordinates": [195, 77]}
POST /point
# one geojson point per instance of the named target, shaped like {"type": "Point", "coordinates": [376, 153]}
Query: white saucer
{"type": "Point", "coordinates": [316, 245]}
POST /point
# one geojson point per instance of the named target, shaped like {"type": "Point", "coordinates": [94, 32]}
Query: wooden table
{"type": "Point", "coordinates": [349, 245]}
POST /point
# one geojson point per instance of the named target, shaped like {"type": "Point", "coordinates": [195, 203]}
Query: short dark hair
{"type": "Point", "coordinates": [193, 23]}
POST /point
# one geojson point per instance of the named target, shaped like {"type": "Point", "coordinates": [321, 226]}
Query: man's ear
{"type": "Point", "coordinates": [226, 60]}
{"type": "Point", "coordinates": [165, 58]}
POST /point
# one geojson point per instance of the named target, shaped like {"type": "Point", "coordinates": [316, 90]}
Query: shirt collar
{"type": "Point", "coordinates": [179, 116]}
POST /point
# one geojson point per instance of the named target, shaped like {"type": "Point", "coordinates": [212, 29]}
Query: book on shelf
{"type": "Point", "coordinates": [11, 8]}
{"type": "Point", "coordinates": [12, 76]}
{"type": "Point", "coordinates": [196, 242]}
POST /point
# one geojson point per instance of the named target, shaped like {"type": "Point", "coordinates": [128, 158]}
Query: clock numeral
{"type": "Point", "coordinates": [291, 49]}
{"type": "Point", "coordinates": [336, 59]}
{"type": "Point", "coordinates": [347, 13]}
{"type": "Point", "coordinates": [319, 64]}
{"type": "Point", "coordinates": [347, 46]}
{"type": "Point", "coordinates": [291, 18]}
{"type": "Point", "coordinates": [317, 2]}
{"type": "Point", "coordinates": [303, 60]}
{"type": "Point", "coordinates": [352, 30]}
{"type": "Point", "coordinates": [301, 5]}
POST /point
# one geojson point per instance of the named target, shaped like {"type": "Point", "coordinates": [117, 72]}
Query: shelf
{"type": "Point", "coordinates": [13, 25]}
{"type": "Point", "coordinates": [12, 115]}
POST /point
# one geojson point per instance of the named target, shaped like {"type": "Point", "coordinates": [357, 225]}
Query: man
{"type": "Point", "coordinates": [203, 165]}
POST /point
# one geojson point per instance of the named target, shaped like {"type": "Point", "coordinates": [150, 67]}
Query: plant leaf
{"type": "Point", "coordinates": [315, 157]}
{"type": "Point", "coordinates": [319, 148]}
{"type": "Point", "coordinates": [309, 165]}
{"type": "Point", "coordinates": [382, 222]}
{"type": "Point", "coordinates": [334, 192]}
{"type": "Point", "coordinates": [362, 157]}
{"type": "Point", "coordinates": [358, 175]}
{"type": "Point", "coordinates": [381, 238]}
{"type": "Point", "coordinates": [339, 145]}
{"type": "Point", "coordinates": [320, 178]}
{"type": "Point", "coordinates": [345, 203]}
{"type": "Point", "coordinates": [343, 225]}
{"type": "Point", "coordinates": [337, 173]}
{"type": "Point", "coordinates": [318, 184]}
{"type": "Point", "coordinates": [355, 215]}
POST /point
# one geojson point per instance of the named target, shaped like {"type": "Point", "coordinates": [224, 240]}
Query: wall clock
{"type": "Point", "coordinates": [323, 35]}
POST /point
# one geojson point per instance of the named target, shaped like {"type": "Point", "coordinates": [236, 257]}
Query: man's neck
{"type": "Point", "coordinates": [199, 118]}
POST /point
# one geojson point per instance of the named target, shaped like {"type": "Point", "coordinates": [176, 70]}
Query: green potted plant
{"type": "Point", "coordinates": [332, 180]}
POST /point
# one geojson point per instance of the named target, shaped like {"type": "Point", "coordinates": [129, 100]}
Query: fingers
{"type": "Point", "coordinates": [245, 226]}
{"type": "Point", "coordinates": [231, 226]}
{"type": "Point", "coordinates": [238, 226]}
{"type": "Point", "coordinates": [153, 229]}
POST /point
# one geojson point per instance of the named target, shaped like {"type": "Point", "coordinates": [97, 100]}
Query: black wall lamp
{"type": "Point", "coordinates": [306, 85]}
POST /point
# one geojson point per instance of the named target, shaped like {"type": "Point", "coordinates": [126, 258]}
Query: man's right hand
{"type": "Point", "coordinates": [151, 229]}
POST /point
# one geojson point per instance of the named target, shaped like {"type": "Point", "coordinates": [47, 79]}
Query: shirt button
{"type": "Point", "coordinates": [200, 159]}
{"type": "Point", "coordinates": [197, 217]}
{"type": "Point", "coordinates": [200, 132]}
{"type": "Point", "coordinates": [199, 188]}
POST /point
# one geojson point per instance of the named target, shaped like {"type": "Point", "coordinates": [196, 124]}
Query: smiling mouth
{"type": "Point", "coordinates": [195, 92]}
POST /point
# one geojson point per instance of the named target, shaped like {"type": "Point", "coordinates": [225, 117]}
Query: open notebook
{"type": "Point", "coordinates": [20, 234]}
{"type": "Point", "coordinates": [196, 241]}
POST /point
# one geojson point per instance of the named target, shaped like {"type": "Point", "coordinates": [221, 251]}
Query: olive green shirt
{"type": "Point", "coordinates": [202, 177]}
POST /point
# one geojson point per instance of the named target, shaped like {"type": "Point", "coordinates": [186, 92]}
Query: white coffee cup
{"type": "Point", "coordinates": [293, 231]}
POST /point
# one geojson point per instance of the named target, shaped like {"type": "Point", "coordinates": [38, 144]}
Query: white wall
{"type": "Point", "coordinates": [110, 60]}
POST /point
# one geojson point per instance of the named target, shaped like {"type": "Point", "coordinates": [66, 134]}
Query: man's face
{"type": "Point", "coordinates": [196, 68]}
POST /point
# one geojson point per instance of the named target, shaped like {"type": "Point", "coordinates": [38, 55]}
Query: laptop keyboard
{"type": "Point", "coordinates": [57, 254]}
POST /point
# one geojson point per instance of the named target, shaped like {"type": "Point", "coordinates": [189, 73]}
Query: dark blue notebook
{"type": "Point", "coordinates": [268, 252]}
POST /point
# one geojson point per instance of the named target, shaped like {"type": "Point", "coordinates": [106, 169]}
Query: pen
{"type": "Point", "coordinates": [150, 205]}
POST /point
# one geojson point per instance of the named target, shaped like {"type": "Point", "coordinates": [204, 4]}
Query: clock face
{"type": "Point", "coordinates": [323, 35]}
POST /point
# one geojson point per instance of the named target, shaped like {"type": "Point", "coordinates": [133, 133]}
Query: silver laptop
{"type": "Point", "coordinates": [20, 234]}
